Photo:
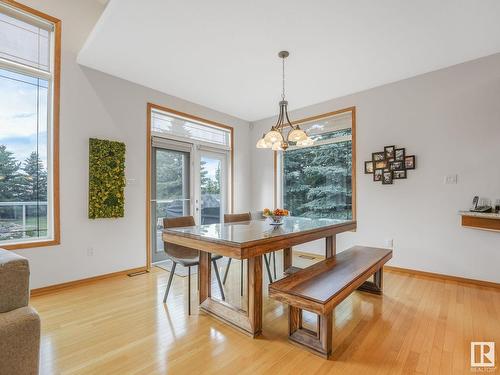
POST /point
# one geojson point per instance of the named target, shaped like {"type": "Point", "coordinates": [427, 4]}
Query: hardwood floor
{"type": "Point", "coordinates": [120, 326]}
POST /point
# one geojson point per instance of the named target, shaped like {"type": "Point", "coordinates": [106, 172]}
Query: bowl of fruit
{"type": "Point", "coordinates": [276, 216]}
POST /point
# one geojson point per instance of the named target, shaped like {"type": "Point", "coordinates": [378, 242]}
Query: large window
{"type": "Point", "coordinates": [317, 181]}
{"type": "Point", "coordinates": [28, 127]}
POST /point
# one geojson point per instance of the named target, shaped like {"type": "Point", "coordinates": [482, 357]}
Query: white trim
{"type": "Point", "coordinates": [323, 142]}
{"type": "Point", "coordinates": [167, 135]}
{"type": "Point", "coordinates": [170, 144]}
{"type": "Point", "coordinates": [24, 69]}
{"type": "Point", "coordinates": [24, 16]}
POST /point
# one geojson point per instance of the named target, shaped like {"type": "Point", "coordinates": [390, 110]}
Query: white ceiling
{"type": "Point", "coordinates": [223, 53]}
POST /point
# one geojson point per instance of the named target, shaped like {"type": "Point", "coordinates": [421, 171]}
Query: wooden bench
{"type": "Point", "coordinates": [322, 286]}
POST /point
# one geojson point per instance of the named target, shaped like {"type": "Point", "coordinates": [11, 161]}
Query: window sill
{"type": "Point", "coordinates": [27, 245]}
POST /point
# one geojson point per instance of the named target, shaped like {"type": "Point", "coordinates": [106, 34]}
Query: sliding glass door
{"type": "Point", "coordinates": [190, 172]}
{"type": "Point", "coordinates": [181, 171]}
{"type": "Point", "coordinates": [171, 193]}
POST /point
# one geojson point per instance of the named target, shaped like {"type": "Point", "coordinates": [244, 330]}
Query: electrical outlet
{"type": "Point", "coordinates": [451, 179]}
{"type": "Point", "coordinates": [90, 251]}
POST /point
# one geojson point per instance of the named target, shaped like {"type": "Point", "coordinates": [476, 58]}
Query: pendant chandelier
{"type": "Point", "coordinates": [275, 138]}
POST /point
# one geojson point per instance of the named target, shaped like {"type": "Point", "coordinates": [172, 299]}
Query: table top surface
{"type": "Point", "coordinates": [255, 230]}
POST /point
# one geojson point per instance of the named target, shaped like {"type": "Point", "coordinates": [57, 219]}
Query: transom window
{"type": "Point", "coordinates": [317, 181]}
{"type": "Point", "coordinates": [28, 127]}
{"type": "Point", "coordinates": [187, 129]}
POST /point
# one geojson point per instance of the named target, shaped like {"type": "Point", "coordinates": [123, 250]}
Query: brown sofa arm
{"type": "Point", "coordinates": [19, 341]}
{"type": "Point", "coordinates": [14, 281]}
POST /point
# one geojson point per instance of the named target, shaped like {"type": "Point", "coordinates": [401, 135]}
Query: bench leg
{"type": "Point", "coordinates": [375, 286]}
{"type": "Point", "coordinates": [325, 333]}
{"type": "Point", "coordinates": [294, 319]}
{"type": "Point", "coordinates": [319, 342]}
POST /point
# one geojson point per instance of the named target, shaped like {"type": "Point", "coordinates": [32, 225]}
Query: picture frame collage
{"type": "Point", "coordinates": [389, 165]}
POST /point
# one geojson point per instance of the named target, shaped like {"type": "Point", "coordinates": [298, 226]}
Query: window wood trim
{"type": "Point", "coordinates": [353, 132]}
{"type": "Point", "coordinates": [150, 108]}
{"type": "Point", "coordinates": [55, 129]}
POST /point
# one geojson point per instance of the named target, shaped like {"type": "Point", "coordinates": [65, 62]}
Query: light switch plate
{"type": "Point", "coordinates": [451, 179]}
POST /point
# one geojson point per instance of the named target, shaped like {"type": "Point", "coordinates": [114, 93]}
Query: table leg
{"type": "Point", "coordinates": [331, 246]}
{"type": "Point", "coordinates": [287, 258]}
{"type": "Point", "coordinates": [255, 293]}
{"type": "Point", "coordinates": [249, 321]}
{"type": "Point", "coordinates": [205, 273]}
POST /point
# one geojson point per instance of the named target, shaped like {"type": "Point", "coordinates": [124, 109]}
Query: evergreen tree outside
{"type": "Point", "coordinates": [210, 185]}
{"type": "Point", "coordinates": [169, 183]}
{"type": "Point", "coordinates": [169, 165]}
{"type": "Point", "coordinates": [27, 183]}
{"type": "Point", "coordinates": [9, 176]}
{"type": "Point", "coordinates": [210, 192]}
{"type": "Point", "coordinates": [317, 180]}
{"type": "Point", "coordinates": [204, 178]}
{"type": "Point", "coordinates": [218, 179]}
{"type": "Point", "coordinates": [34, 180]}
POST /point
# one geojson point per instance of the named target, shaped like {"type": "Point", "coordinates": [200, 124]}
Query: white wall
{"type": "Point", "coordinates": [449, 119]}
{"type": "Point", "coordinates": [98, 105]}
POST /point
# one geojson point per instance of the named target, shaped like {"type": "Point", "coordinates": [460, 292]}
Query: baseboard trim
{"type": "Point", "coordinates": [308, 255]}
{"type": "Point", "coordinates": [71, 284]}
{"type": "Point", "coordinates": [441, 276]}
{"type": "Point", "coordinates": [74, 283]}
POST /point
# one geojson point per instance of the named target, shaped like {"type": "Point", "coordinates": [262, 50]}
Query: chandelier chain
{"type": "Point", "coordinates": [283, 75]}
{"type": "Point", "coordinates": [276, 138]}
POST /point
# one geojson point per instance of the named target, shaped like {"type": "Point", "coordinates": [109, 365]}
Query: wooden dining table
{"type": "Point", "coordinates": [250, 240]}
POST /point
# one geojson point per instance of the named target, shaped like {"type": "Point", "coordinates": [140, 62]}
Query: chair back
{"type": "Point", "coordinates": [258, 215]}
{"type": "Point", "coordinates": [177, 222]}
{"type": "Point", "coordinates": [235, 218]}
{"type": "Point", "coordinates": [179, 251]}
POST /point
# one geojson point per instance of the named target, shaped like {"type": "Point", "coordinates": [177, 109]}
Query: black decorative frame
{"type": "Point", "coordinates": [369, 170]}
{"type": "Point", "coordinates": [389, 174]}
{"type": "Point", "coordinates": [397, 165]}
{"type": "Point", "coordinates": [384, 162]}
{"type": "Point", "coordinates": [399, 175]}
{"type": "Point", "coordinates": [402, 158]}
{"type": "Point", "coordinates": [412, 158]}
{"type": "Point", "coordinates": [378, 156]}
{"type": "Point", "coordinates": [389, 151]}
{"type": "Point", "coordinates": [375, 177]}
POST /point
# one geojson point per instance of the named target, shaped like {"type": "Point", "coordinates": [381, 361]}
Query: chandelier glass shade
{"type": "Point", "coordinates": [275, 138]}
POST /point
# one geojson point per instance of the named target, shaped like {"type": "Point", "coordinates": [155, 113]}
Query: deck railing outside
{"type": "Point", "coordinates": [22, 220]}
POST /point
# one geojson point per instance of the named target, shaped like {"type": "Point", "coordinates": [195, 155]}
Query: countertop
{"type": "Point", "coordinates": [480, 214]}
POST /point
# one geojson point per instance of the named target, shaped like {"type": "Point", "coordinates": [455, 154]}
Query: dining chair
{"type": "Point", "coordinates": [236, 218]}
{"type": "Point", "coordinates": [259, 215]}
{"type": "Point", "coordinates": [185, 256]}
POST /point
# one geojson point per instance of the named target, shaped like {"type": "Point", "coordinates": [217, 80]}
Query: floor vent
{"type": "Point", "coordinates": [137, 273]}
{"type": "Point", "coordinates": [308, 257]}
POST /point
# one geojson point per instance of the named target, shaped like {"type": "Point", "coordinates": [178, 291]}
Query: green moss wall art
{"type": "Point", "coordinates": [106, 179]}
